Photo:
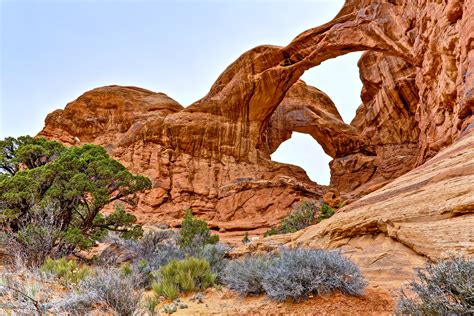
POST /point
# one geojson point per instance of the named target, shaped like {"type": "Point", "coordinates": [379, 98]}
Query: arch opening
{"type": "Point", "coordinates": [303, 151]}
{"type": "Point", "coordinates": [339, 78]}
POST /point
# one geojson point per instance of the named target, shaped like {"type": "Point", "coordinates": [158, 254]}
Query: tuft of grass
{"type": "Point", "coordinates": [190, 274]}
{"type": "Point", "coordinates": [66, 271]}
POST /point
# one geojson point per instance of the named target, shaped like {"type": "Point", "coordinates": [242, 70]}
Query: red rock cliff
{"type": "Point", "coordinates": [214, 156]}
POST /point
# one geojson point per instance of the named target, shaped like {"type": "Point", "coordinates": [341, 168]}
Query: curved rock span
{"type": "Point", "coordinates": [214, 156]}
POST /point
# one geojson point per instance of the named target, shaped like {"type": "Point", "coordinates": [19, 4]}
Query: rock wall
{"type": "Point", "coordinates": [190, 157]}
{"type": "Point", "coordinates": [427, 213]}
{"type": "Point", "coordinates": [214, 156]}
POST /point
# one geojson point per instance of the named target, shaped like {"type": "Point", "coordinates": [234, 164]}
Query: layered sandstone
{"type": "Point", "coordinates": [190, 157]}
{"type": "Point", "coordinates": [214, 156]}
{"type": "Point", "coordinates": [428, 213]}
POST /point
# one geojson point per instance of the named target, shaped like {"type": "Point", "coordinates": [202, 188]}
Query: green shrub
{"type": "Point", "coordinates": [68, 186]}
{"type": "Point", "coordinates": [246, 238]}
{"type": "Point", "coordinates": [151, 252]}
{"type": "Point", "coordinates": [272, 231]}
{"type": "Point", "coordinates": [305, 214]}
{"type": "Point", "coordinates": [67, 271]}
{"type": "Point", "coordinates": [186, 275]}
{"type": "Point", "coordinates": [446, 288]}
{"type": "Point", "coordinates": [195, 231]}
{"type": "Point", "coordinates": [150, 303]}
{"type": "Point", "coordinates": [325, 212]}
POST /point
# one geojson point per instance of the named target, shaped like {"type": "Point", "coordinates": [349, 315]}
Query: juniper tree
{"type": "Point", "coordinates": [40, 177]}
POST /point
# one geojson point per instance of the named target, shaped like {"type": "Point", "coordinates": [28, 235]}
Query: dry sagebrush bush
{"type": "Point", "coordinates": [26, 291]}
{"type": "Point", "coordinates": [112, 290]}
{"type": "Point", "coordinates": [446, 288]}
{"type": "Point", "coordinates": [294, 273]}
{"type": "Point", "coordinates": [245, 275]}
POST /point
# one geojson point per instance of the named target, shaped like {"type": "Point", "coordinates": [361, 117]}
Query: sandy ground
{"type": "Point", "coordinates": [225, 302]}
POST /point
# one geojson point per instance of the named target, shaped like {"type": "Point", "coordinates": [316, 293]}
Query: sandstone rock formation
{"type": "Point", "coordinates": [428, 213]}
{"type": "Point", "coordinates": [214, 156]}
{"type": "Point", "coordinates": [189, 157]}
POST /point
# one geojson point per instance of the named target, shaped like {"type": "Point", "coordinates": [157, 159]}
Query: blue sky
{"type": "Point", "coordinates": [53, 51]}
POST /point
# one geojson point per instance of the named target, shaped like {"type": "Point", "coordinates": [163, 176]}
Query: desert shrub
{"type": "Point", "coordinates": [153, 243]}
{"type": "Point", "coordinates": [165, 254]}
{"type": "Point", "coordinates": [112, 290]}
{"type": "Point", "coordinates": [246, 239]}
{"type": "Point", "coordinates": [77, 181]}
{"type": "Point", "coordinates": [35, 241]}
{"type": "Point", "coordinates": [305, 214]}
{"type": "Point", "coordinates": [67, 271]}
{"type": "Point", "coordinates": [245, 275]}
{"type": "Point", "coordinates": [446, 288]}
{"type": "Point", "coordinates": [325, 212]}
{"type": "Point", "coordinates": [29, 292]}
{"type": "Point", "coordinates": [186, 275]}
{"type": "Point", "coordinates": [295, 273]}
{"type": "Point", "coordinates": [216, 255]}
{"type": "Point", "coordinates": [150, 303]}
{"type": "Point", "coordinates": [272, 231]}
{"type": "Point", "coordinates": [195, 230]}
{"type": "Point", "coordinates": [146, 254]}
{"type": "Point", "coordinates": [157, 249]}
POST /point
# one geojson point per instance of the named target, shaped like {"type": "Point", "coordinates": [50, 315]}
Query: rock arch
{"type": "Point", "coordinates": [214, 155]}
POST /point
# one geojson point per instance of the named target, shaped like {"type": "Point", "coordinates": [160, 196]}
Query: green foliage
{"type": "Point", "coordinates": [186, 275]}
{"type": "Point", "coordinates": [306, 214]}
{"type": "Point", "coordinates": [246, 238]}
{"type": "Point", "coordinates": [78, 181]}
{"type": "Point", "coordinates": [126, 270]}
{"type": "Point", "coordinates": [26, 150]}
{"type": "Point", "coordinates": [67, 271]}
{"type": "Point", "coordinates": [325, 212]}
{"type": "Point", "coordinates": [150, 303]}
{"type": "Point", "coordinates": [193, 229]}
{"type": "Point", "coordinates": [272, 231]}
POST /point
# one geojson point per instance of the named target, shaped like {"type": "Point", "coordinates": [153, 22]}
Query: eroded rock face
{"type": "Point", "coordinates": [428, 213]}
{"type": "Point", "coordinates": [191, 158]}
{"type": "Point", "coordinates": [214, 156]}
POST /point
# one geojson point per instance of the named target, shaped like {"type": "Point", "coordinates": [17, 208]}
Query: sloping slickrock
{"type": "Point", "coordinates": [428, 213]}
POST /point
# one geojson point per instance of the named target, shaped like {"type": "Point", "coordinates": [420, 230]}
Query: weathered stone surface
{"type": "Point", "coordinates": [428, 213]}
{"type": "Point", "coordinates": [190, 165]}
{"type": "Point", "coordinates": [214, 156]}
